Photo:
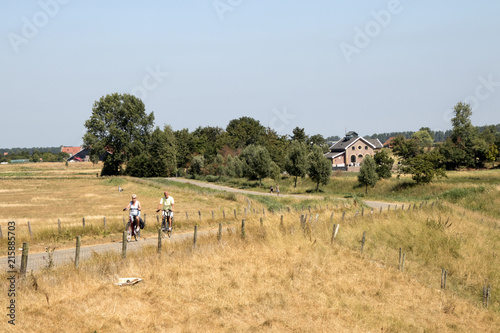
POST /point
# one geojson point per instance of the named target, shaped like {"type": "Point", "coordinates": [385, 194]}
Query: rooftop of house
{"type": "Point", "coordinates": [350, 138]}
{"type": "Point", "coordinates": [70, 150]}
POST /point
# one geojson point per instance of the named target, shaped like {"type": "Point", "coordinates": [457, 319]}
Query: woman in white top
{"type": "Point", "coordinates": [135, 209]}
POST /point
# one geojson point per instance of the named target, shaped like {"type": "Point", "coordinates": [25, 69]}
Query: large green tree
{"type": "Point", "coordinates": [383, 164]}
{"type": "Point", "coordinates": [299, 134]}
{"type": "Point", "coordinates": [368, 173]}
{"type": "Point", "coordinates": [296, 163]}
{"type": "Point", "coordinates": [120, 125]}
{"type": "Point", "coordinates": [257, 162]}
{"type": "Point", "coordinates": [423, 138]}
{"type": "Point", "coordinates": [244, 131]}
{"type": "Point", "coordinates": [320, 168]}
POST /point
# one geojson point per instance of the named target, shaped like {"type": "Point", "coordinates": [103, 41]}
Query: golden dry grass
{"type": "Point", "coordinates": [272, 281]}
{"type": "Point", "coordinates": [276, 280]}
{"type": "Point", "coordinates": [69, 198]}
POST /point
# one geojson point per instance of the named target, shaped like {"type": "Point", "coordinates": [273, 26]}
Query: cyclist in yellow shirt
{"type": "Point", "coordinates": [167, 205]}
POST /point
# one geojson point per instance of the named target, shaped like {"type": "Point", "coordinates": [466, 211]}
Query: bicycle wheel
{"type": "Point", "coordinates": [137, 232]}
{"type": "Point", "coordinates": [171, 227]}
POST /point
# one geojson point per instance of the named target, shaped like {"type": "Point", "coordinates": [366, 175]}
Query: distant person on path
{"type": "Point", "coordinates": [271, 190]}
{"type": "Point", "coordinates": [277, 190]}
{"type": "Point", "coordinates": [167, 204]}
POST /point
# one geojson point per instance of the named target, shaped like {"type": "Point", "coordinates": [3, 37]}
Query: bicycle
{"type": "Point", "coordinates": [133, 229]}
{"type": "Point", "coordinates": [167, 214]}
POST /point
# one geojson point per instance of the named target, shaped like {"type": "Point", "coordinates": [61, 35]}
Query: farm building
{"type": "Point", "coordinates": [348, 153]}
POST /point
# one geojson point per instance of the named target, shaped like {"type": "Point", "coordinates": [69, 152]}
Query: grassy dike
{"type": "Point", "coordinates": [281, 277]}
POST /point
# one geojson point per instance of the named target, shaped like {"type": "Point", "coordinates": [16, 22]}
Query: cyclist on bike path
{"type": "Point", "coordinates": [167, 204]}
{"type": "Point", "coordinates": [135, 210]}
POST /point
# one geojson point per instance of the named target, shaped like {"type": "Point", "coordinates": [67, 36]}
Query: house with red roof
{"type": "Point", "coordinates": [70, 150]}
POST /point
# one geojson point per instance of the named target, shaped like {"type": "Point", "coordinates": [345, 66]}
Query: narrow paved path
{"type": "Point", "coordinates": [372, 204]}
{"type": "Point", "coordinates": [234, 190]}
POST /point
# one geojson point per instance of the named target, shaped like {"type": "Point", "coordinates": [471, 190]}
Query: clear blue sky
{"type": "Point", "coordinates": [326, 66]}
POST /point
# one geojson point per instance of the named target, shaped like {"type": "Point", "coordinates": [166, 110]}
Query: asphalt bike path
{"type": "Point", "coordinates": [40, 260]}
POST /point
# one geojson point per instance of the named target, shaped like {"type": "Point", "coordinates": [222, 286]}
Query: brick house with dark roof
{"type": "Point", "coordinates": [348, 153]}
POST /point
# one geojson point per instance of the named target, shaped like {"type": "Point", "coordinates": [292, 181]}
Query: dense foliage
{"type": "Point", "coordinates": [246, 148]}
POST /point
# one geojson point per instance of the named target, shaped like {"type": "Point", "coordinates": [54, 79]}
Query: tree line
{"type": "Point", "coordinates": [437, 136]}
{"type": "Point", "coordinates": [466, 147]}
{"type": "Point", "coordinates": [120, 125]}
{"type": "Point", "coordinates": [50, 154]}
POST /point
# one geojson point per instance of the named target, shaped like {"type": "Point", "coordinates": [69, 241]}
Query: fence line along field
{"type": "Point", "coordinates": [49, 195]}
{"type": "Point", "coordinates": [277, 276]}
{"type": "Point", "coordinates": [383, 271]}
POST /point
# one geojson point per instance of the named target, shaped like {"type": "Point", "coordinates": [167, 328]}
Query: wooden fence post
{"type": "Point", "coordinates": [261, 222]}
{"type": "Point", "coordinates": [362, 211]}
{"type": "Point", "coordinates": [380, 209]}
{"type": "Point", "coordinates": [403, 207]}
{"type": "Point", "coordinates": [331, 218]}
{"type": "Point", "coordinates": [334, 232]}
{"type": "Point", "coordinates": [59, 225]}
{"type": "Point", "coordinates": [195, 236]}
{"type": "Point", "coordinates": [24, 259]}
{"type": "Point", "coordinates": [29, 228]}
{"type": "Point", "coordinates": [83, 222]}
{"type": "Point", "coordinates": [400, 257]}
{"type": "Point", "coordinates": [104, 222]}
{"type": "Point", "coordinates": [444, 275]}
{"type": "Point", "coordinates": [243, 228]}
{"type": "Point", "coordinates": [263, 212]}
{"type": "Point", "coordinates": [124, 245]}
{"type": "Point", "coordinates": [235, 214]}
{"type": "Point", "coordinates": [77, 254]}
{"type": "Point", "coordinates": [187, 216]}
{"type": "Point", "coordinates": [486, 295]}
{"type": "Point", "coordinates": [343, 215]}
{"type": "Point", "coordinates": [159, 240]}
{"type": "Point", "coordinates": [363, 241]}
{"type": "Point", "coordinates": [403, 263]}
{"type": "Point", "coordinates": [223, 214]}
{"type": "Point", "coordinates": [219, 235]}
{"type": "Point", "coordinates": [213, 215]}
{"type": "Point", "coordinates": [1, 235]}
{"type": "Point", "coordinates": [199, 214]}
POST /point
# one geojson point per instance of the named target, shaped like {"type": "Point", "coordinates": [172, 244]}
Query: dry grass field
{"type": "Point", "coordinates": [45, 193]}
{"type": "Point", "coordinates": [279, 278]}
{"type": "Point", "coordinates": [275, 280]}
